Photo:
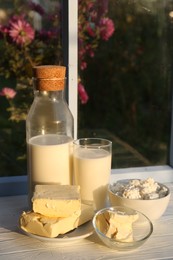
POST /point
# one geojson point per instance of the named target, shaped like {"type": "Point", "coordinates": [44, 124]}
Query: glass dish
{"type": "Point", "coordinates": [142, 228]}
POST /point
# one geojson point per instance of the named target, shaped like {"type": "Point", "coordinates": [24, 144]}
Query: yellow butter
{"type": "Point", "coordinates": [56, 200]}
{"type": "Point", "coordinates": [38, 224]}
{"type": "Point", "coordinates": [120, 227]}
{"type": "Point", "coordinates": [117, 226]}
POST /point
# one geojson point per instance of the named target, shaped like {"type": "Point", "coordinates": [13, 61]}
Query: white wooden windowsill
{"type": "Point", "coordinates": [15, 245]}
{"type": "Point", "coordinates": [17, 185]}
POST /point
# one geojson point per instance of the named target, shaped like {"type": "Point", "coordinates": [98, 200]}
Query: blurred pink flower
{"type": "Point", "coordinates": [90, 5]}
{"type": "Point", "coordinates": [91, 29]}
{"type": "Point", "coordinates": [3, 29]}
{"type": "Point", "coordinates": [21, 31]}
{"type": "Point", "coordinates": [83, 65]}
{"type": "Point", "coordinates": [90, 50]}
{"type": "Point", "coordinates": [47, 35]}
{"type": "Point", "coordinates": [82, 93]}
{"type": "Point", "coordinates": [106, 28]}
{"type": "Point", "coordinates": [8, 93]}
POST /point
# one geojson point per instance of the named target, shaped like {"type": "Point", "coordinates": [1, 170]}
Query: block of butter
{"type": "Point", "coordinates": [56, 200]}
{"type": "Point", "coordinates": [38, 224]}
{"type": "Point", "coordinates": [120, 227]}
{"type": "Point", "coordinates": [117, 226]}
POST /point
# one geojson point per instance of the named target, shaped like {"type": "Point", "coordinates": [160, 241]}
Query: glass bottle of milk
{"type": "Point", "coordinates": [49, 130]}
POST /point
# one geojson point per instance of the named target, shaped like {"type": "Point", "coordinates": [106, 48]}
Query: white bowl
{"type": "Point", "coordinates": [152, 208]}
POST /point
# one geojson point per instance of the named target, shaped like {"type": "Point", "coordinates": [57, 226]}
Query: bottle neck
{"type": "Point", "coordinates": [54, 95]}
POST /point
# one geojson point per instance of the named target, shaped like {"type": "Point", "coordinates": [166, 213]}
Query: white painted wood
{"type": "Point", "coordinates": [73, 60]}
{"type": "Point", "coordinates": [159, 173]}
{"type": "Point", "coordinates": [10, 186]}
{"type": "Point", "coordinates": [15, 245]}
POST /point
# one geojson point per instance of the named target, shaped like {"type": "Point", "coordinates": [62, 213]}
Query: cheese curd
{"type": "Point", "coordinates": [132, 193]}
{"type": "Point", "coordinates": [120, 227]}
{"type": "Point", "coordinates": [116, 225]}
{"type": "Point", "coordinates": [140, 189]}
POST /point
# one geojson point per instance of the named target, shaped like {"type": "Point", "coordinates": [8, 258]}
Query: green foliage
{"type": "Point", "coordinates": [18, 56]}
{"type": "Point", "coordinates": [131, 90]}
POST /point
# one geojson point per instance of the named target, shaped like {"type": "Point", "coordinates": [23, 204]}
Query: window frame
{"type": "Point", "coordinates": [18, 185]}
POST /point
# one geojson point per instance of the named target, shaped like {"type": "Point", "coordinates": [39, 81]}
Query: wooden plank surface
{"type": "Point", "coordinates": [15, 245]}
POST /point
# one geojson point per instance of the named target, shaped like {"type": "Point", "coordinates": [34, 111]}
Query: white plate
{"type": "Point", "coordinates": [73, 236]}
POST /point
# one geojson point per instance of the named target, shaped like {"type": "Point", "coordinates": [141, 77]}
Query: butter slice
{"type": "Point", "coordinates": [38, 224]}
{"type": "Point", "coordinates": [56, 200]}
{"type": "Point", "coordinates": [120, 227]}
{"type": "Point", "coordinates": [117, 226]}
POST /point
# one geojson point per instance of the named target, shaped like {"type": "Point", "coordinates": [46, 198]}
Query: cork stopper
{"type": "Point", "coordinates": [49, 77]}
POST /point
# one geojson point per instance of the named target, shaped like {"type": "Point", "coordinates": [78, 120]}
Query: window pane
{"type": "Point", "coordinates": [30, 34]}
{"type": "Point", "coordinates": [127, 77]}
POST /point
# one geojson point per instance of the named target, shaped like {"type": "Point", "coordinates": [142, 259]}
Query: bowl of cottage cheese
{"type": "Point", "coordinates": [145, 195]}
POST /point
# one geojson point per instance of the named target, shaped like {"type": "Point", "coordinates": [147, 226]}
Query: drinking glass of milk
{"type": "Point", "coordinates": [92, 167]}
